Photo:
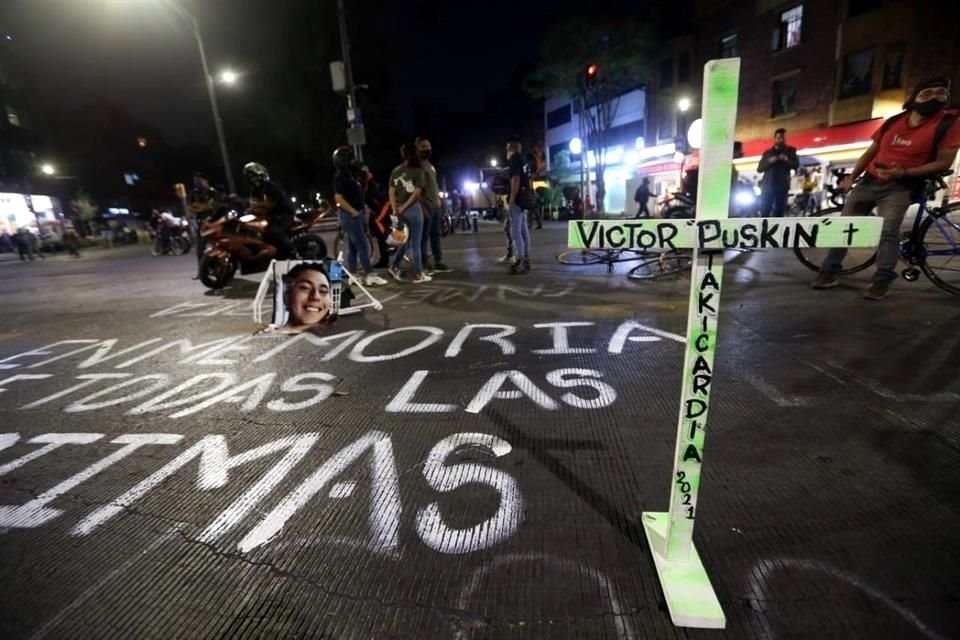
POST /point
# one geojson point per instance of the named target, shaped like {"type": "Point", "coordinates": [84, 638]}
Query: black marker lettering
{"type": "Point", "coordinates": [807, 238]}
{"type": "Point", "coordinates": [701, 384]}
{"type": "Point", "coordinates": [587, 240]}
{"type": "Point", "coordinates": [849, 231]}
{"type": "Point", "coordinates": [616, 244]}
{"type": "Point", "coordinates": [730, 238]}
{"type": "Point", "coordinates": [702, 342]}
{"type": "Point", "coordinates": [767, 239]}
{"type": "Point", "coordinates": [701, 366]}
{"type": "Point", "coordinates": [646, 239]}
{"type": "Point", "coordinates": [708, 231]}
{"type": "Point", "coordinates": [694, 425]}
{"type": "Point", "coordinates": [695, 405]}
{"type": "Point", "coordinates": [709, 280]}
{"type": "Point", "coordinates": [748, 236]}
{"type": "Point", "coordinates": [704, 303]}
{"type": "Point", "coordinates": [691, 454]}
{"type": "Point", "coordinates": [666, 240]}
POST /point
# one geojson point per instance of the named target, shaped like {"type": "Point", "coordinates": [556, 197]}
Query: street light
{"type": "Point", "coordinates": [576, 146]}
{"type": "Point", "coordinates": [228, 77]}
{"type": "Point", "coordinates": [493, 162]}
{"type": "Point", "coordinates": [47, 169]}
{"type": "Point", "coordinates": [218, 124]}
{"type": "Point", "coordinates": [683, 104]}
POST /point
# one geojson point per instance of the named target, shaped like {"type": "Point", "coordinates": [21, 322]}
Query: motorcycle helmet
{"type": "Point", "coordinates": [343, 159]}
{"type": "Point", "coordinates": [255, 170]}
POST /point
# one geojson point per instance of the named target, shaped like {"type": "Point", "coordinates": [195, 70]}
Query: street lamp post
{"type": "Point", "coordinates": [217, 122]}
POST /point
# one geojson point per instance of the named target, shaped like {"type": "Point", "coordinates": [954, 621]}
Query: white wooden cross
{"type": "Point", "coordinates": [690, 596]}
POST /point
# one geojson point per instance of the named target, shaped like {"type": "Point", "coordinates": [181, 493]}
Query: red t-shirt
{"type": "Point", "coordinates": [909, 146]}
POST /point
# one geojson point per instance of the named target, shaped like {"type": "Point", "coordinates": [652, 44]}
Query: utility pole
{"type": "Point", "coordinates": [355, 135]}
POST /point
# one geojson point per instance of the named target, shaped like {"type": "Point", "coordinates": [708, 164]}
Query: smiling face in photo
{"type": "Point", "coordinates": [308, 298]}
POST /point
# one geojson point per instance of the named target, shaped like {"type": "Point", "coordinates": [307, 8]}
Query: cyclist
{"type": "Point", "coordinates": [909, 147]}
{"type": "Point", "coordinates": [268, 200]}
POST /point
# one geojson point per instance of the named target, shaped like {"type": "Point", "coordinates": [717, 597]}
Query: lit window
{"type": "Point", "coordinates": [788, 31]}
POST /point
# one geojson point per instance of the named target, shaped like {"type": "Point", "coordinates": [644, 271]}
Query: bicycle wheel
{"type": "Point", "coordinates": [156, 248]}
{"type": "Point", "coordinates": [939, 250]}
{"type": "Point", "coordinates": [663, 265]}
{"type": "Point", "coordinates": [582, 256]}
{"type": "Point", "coordinates": [856, 260]}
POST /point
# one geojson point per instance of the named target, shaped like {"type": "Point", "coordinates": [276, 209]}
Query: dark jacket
{"type": "Point", "coordinates": [776, 175]}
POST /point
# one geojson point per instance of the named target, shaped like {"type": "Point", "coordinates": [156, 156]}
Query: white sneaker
{"type": "Point", "coordinates": [505, 259]}
{"type": "Point", "coordinates": [373, 280]}
{"type": "Point", "coordinates": [423, 278]}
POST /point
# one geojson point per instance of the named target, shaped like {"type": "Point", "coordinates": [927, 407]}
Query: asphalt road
{"type": "Point", "coordinates": [473, 461]}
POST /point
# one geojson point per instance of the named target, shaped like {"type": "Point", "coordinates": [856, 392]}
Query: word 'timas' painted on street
{"type": "Point", "coordinates": [370, 459]}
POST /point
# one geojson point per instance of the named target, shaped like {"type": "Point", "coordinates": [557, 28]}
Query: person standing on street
{"type": "Point", "coordinates": [431, 196]}
{"type": "Point", "coordinates": [348, 195]}
{"type": "Point", "coordinates": [776, 163]}
{"type": "Point", "coordinates": [202, 202]}
{"type": "Point", "coordinates": [407, 182]}
{"type": "Point", "coordinates": [642, 198]}
{"type": "Point", "coordinates": [908, 148]}
{"type": "Point", "coordinates": [519, 232]}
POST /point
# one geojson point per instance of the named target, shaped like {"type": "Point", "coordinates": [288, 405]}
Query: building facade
{"type": "Point", "coordinates": [567, 143]}
{"type": "Point", "coordinates": [828, 72]}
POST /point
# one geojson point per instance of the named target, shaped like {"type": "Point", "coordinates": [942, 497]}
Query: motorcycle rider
{"type": "Point", "coordinates": [203, 202]}
{"type": "Point", "coordinates": [268, 200]}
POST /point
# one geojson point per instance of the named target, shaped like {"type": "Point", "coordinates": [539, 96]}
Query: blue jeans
{"type": "Point", "coordinates": [357, 241]}
{"type": "Point", "coordinates": [413, 218]}
{"type": "Point", "coordinates": [520, 233]}
{"type": "Point", "coordinates": [891, 201]}
{"type": "Point", "coordinates": [431, 232]}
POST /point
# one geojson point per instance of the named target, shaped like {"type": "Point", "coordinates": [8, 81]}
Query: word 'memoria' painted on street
{"type": "Point", "coordinates": [686, 586]}
{"type": "Point", "coordinates": [744, 233]}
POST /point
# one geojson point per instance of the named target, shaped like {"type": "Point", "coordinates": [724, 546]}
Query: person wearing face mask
{"type": "Point", "coordinates": [909, 147]}
{"type": "Point", "coordinates": [431, 197]}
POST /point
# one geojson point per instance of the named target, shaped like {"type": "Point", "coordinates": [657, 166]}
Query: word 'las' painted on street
{"type": "Point", "coordinates": [742, 233]}
{"type": "Point", "coordinates": [336, 479]}
{"type": "Point", "coordinates": [30, 385]}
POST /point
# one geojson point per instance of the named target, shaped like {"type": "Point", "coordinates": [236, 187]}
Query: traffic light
{"type": "Point", "coordinates": [590, 75]}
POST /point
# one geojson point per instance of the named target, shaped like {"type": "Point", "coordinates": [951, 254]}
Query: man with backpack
{"type": "Point", "coordinates": [908, 148]}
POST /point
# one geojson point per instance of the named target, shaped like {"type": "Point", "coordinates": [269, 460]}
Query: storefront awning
{"type": "Point", "coordinates": [821, 140]}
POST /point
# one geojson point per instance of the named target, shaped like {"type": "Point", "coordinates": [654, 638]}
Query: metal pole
{"type": "Point", "coordinates": [347, 68]}
{"type": "Point", "coordinates": [217, 122]}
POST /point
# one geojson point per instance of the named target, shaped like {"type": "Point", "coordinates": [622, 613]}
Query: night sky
{"type": "Point", "coordinates": [450, 70]}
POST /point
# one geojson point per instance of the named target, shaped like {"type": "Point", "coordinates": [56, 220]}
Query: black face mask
{"type": "Point", "coordinates": [425, 154]}
{"type": "Point", "coordinates": [928, 108]}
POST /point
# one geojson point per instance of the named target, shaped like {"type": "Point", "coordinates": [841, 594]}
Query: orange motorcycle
{"type": "Point", "coordinates": [235, 242]}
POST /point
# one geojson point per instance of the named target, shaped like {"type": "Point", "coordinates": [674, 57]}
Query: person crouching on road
{"type": "Point", "coordinates": [407, 183]}
{"type": "Point", "coordinates": [349, 198]}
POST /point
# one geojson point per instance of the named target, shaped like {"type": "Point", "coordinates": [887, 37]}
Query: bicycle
{"type": "Point", "coordinates": [934, 235]}
{"type": "Point", "coordinates": [609, 257]}
{"type": "Point", "coordinates": [668, 263]}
